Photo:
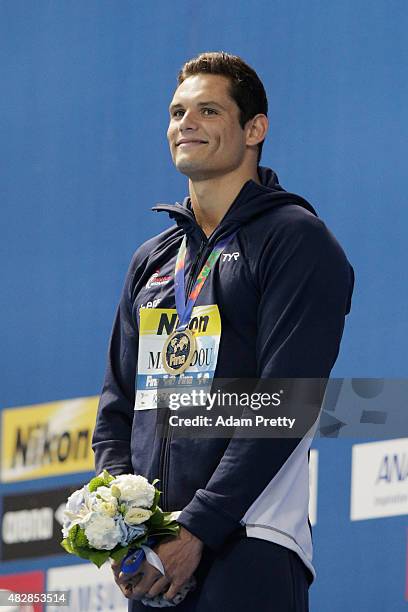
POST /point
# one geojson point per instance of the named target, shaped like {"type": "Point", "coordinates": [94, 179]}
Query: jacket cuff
{"type": "Point", "coordinates": [206, 522]}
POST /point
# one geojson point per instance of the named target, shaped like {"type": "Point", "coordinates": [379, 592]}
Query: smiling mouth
{"type": "Point", "coordinates": [190, 143]}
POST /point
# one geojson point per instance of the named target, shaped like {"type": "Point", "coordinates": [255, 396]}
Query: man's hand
{"type": "Point", "coordinates": [180, 557]}
{"type": "Point", "coordinates": [125, 582]}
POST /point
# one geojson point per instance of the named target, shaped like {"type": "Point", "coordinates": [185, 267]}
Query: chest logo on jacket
{"type": "Point", "coordinates": [230, 256]}
{"type": "Point", "coordinates": [158, 281]}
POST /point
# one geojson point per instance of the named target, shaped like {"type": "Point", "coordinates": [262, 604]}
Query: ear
{"type": "Point", "coordinates": [256, 129]}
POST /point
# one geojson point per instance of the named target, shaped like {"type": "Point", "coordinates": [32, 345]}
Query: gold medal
{"type": "Point", "coordinates": [178, 351]}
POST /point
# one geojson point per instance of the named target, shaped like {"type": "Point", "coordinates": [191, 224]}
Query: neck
{"type": "Point", "coordinates": [211, 198]}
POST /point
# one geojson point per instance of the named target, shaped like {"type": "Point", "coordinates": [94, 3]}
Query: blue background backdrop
{"type": "Point", "coordinates": [83, 157]}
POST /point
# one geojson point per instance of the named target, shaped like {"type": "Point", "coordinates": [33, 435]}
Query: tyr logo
{"type": "Point", "coordinates": [229, 256]}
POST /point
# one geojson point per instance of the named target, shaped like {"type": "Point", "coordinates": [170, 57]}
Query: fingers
{"type": "Point", "coordinates": [158, 587]}
{"type": "Point", "coordinates": [147, 582]}
{"type": "Point", "coordinates": [175, 587]}
{"type": "Point", "coordinates": [115, 568]}
{"type": "Point", "coordinates": [126, 587]}
{"type": "Point", "coordinates": [126, 582]}
{"type": "Point", "coordinates": [150, 576]}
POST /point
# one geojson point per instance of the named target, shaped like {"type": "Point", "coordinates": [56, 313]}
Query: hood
{"type": "Point", "coordinates": [253, 200]}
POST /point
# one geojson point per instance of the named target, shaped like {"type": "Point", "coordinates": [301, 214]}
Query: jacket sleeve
{"type": "Point", "coordinates": [112, 434]}
{"type": "Point", "coordinates": [305, 285]}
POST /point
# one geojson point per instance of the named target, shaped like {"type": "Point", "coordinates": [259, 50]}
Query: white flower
{"type": "Point", "coordinates": [135, 516]}
{"type": "Point", "coordinates": [66, 527]}
{"type": "Point", "coordinates": [105, 493]}
{"type": "Point", "coordinates": [75, 501]}
{"type": "Point", "coordinates": [110, 508]}
{"type": "Point", "coordinates": [82, 504]}
{"type": "Point", "coordinates": [76, 510]}
{"type": "Point", "coordinates": [102, 532]}
{"type": "Point", "coordinates": [135, 489]}
{"type": "Point", "coordinates": [104, 503]}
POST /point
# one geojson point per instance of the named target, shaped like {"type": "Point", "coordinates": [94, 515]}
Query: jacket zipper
{"type": "Point", "coordinates": [195, 267]}
{"type": "Point", "coordinates": [165, 454]}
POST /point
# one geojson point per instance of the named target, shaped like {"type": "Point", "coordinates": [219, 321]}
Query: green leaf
{"type": "Point", "coordinates": [171, 530]}
{"type": "Point", "coordinates": [66, 545]}
{"type": "Point", "coordinates": [81, 541]}
{"type": "Point", "coordinates": [96, 482]}
{"type": "Point", "coordinates": [156, 499]}
{"type": "Point", "coordinates": [158, 533]}
{"type": "Point", "coordinates": [82, 552]}
{"type": "Point", "coordinates": [107, 478]}
{"type": "Point", "coordinates": [155, 481]}
{"type": "Point", "coordinates": [118, 555]}
{"type": "Point", "coordinates": [72, 534]}
{"type": "Point", "coordinates": [156, 520]}
{"type": "Point", "coordinates": [98, 556]}
{"type": "Point", "coordinates": [168, 518]}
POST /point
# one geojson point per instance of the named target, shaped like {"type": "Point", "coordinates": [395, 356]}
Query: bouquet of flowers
{"type": "Point", "coordinates": [117, 517]}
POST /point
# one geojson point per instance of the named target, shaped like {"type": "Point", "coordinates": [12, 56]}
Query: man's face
{"type": "Point", "coordinates": [205, 137]}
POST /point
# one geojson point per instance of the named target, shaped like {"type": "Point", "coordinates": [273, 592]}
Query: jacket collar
{"type": "Point", "coordinates": [253, 200]}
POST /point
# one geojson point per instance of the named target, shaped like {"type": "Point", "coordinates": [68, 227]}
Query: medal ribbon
{"type": "Point", "coordinates": [184, 309]}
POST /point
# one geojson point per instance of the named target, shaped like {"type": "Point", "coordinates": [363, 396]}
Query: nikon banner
{"type": "Point", "coordinates": [48, 439]}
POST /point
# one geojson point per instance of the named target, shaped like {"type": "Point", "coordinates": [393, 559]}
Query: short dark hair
{"type": "Point", "coordinates": [246, 88]}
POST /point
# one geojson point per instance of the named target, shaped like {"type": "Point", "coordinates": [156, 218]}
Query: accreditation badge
{"type": "Point", "coordinates": [175, 359]}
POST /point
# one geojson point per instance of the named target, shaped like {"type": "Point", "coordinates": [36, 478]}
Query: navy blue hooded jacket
{"type": "Point", "coordinates": [282, 304]}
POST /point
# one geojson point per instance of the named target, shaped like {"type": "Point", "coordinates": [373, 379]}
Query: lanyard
{"type": "Point", "coordinates": [184, 309]}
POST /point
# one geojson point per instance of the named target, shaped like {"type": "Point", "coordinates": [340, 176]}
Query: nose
{"type": "Point", "coordinates": [188, 121]}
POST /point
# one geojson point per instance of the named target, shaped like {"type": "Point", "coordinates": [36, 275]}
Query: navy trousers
{"type": "Point", "coordinates": [246, 575]}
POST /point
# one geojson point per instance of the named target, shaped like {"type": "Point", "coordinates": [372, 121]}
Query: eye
{"type": "Point", "coordinates": [208, 111]}
{"type": "Point", "coordinates": [177, 113]}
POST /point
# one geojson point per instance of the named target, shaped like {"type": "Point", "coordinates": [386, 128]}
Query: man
{"type": "Point", "coordinates": [276, 293]}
